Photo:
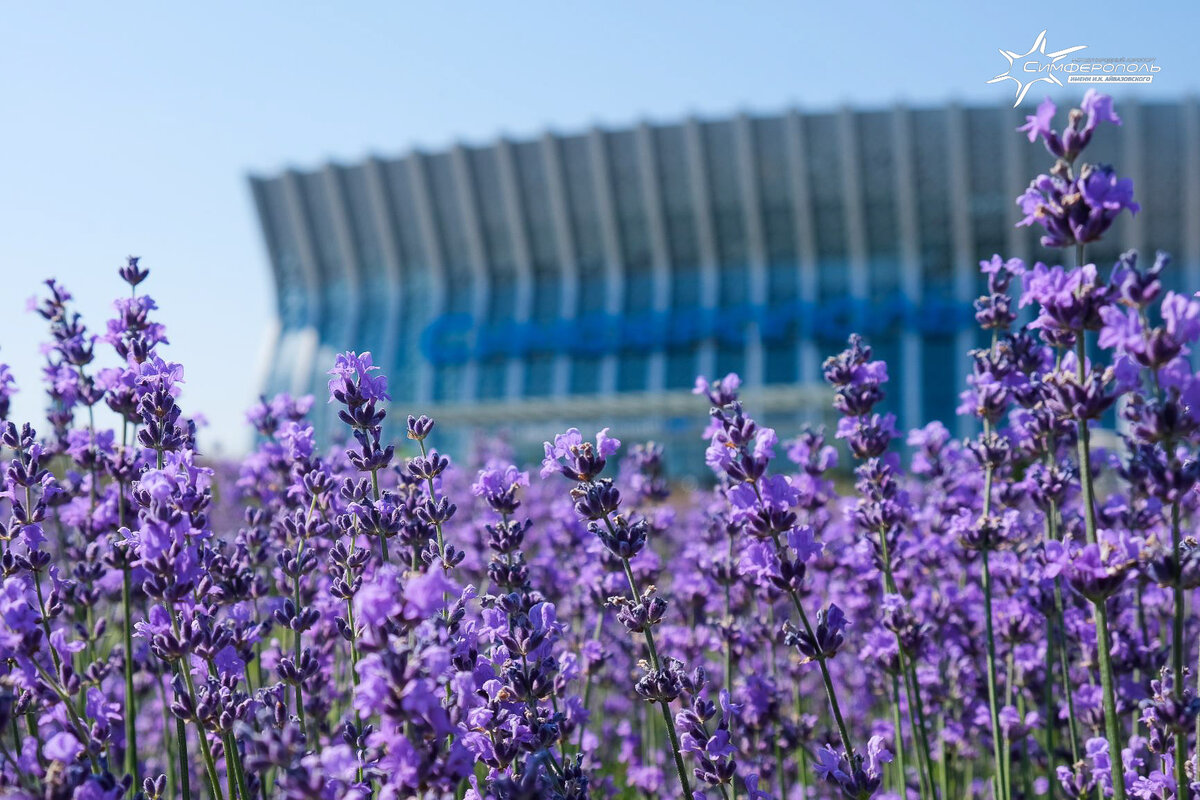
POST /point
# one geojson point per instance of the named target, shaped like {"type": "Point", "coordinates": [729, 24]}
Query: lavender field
{"type": "Point", "coordinates": [1006, 616]}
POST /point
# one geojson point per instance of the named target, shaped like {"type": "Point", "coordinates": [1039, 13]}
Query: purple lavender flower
{"type": "Point", "coordinates": [352, 378]}
{"type": "Point", "coordinates": [857, 777]}
{"type": "Point", "coordinates": [1075, 210]}
{"type": "Point", "coordinates": [1038, 124]}
{"type": "Point", "coordinates": [1094, 109]}
{"type": "Point", "coordinates": [720, 392]}
{"type": "Point", "coordinates": [574, 458]}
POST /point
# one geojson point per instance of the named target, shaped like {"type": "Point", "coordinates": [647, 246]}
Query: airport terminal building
{"type": "Point", "coordinates": [588, 278]}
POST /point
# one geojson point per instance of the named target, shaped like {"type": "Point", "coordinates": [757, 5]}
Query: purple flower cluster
{"type": "Point", "coordinates": [1074, 204]}
{"type": "Point", "coordinates": [1005, 616]}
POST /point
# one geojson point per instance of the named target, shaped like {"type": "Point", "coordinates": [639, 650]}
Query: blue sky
{"type": "Point", "coordinates": [130, 127]}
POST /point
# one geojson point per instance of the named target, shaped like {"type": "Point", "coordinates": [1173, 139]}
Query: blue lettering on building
{"type": "Point", "coordinates": [456, 339]}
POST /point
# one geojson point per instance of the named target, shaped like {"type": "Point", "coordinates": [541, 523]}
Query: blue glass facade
{"type": "Point", "coordinates": [592, 276]}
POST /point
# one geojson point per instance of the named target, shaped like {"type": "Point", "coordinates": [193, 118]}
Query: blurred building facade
{"type": "Point", "coordinates": [587, 279]}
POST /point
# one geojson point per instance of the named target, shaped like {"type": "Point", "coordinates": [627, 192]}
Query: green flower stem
{"type": "Point", "coordinates": [1112, 727]}
{"type": "Point", "coordinates": [1047, 705]}
{"type": "Point", "coordinates": [901, 768]}
{"type": "Point", "coordinates": [1008, 701]}
{"type": "Point", "coordinates": [37, 583]}
{"type": "Point", "coordinates": [375, 493]}
{"type": "Point", "coordinates": [780, 773]}
{"type": "Point", "coordinates": [234, 771]}
{"type": "Point", "coordinates": [657, 664]}
{"type": "Point", "coordinates": [729, 621]}
{"type": "Point", "coordinates": [943, 774]}
{"type": "Point", "coordinates": [1111, 724]}
{"type": "Point", "coordinates": [729, 656]}
{"type": "Point", "coordinates": [1001, 784]}
{"type": "Point", "coordinates": [1178, 598]}
{"type": "Point", "coordinates": [296, 599]}
{"type": "Point", "coordinates": [1059, 640]}
{"type": "Point", "coordinates": [997, 738]}
{"type": "Point", "coordinates": [1065, 669]}
{"type": "Point", "coordinates": [1026, 779]}
{"type": "Point", "coordinates": [801, 751]}
{"type": "Point", "coordinates": [353, 643]}
{"type": "Point", "coordinates": [916, 709]}
{"type": "Point", "coordinates": [587, 682]}
{"type": "Point", "coordinates": [916, 721]}
{"type": "Point", "coordinates": [171, 751]}
{"type": "Point", "coordinates": [131, 758]}
{"type": "Point", "coordinates": [185, 776]}
{"type": "Point", "coordinates": [830, 692]}
{"type": "Point", "coordinates": [1056, 646]}
{"type": "Point", "coordinates": [210, 764]}
{"type": "Point", "coordinates": [1181, 778]}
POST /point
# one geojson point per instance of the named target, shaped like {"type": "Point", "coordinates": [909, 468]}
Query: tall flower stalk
{"type": "Point", "coordinates": [1150, 357]}
{"type": "Point", "coordinates": [858, 382]}
{"type": "Point", "coordinates": [741, 451]}
{"type": "Point", "coordinates": [598, 502]}
{"type": "Point", "coordinates": [995, 378]}
{"type": "Point", "coordinates": [1076, 204]}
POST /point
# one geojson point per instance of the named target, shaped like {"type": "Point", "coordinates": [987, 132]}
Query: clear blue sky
{"type": "Point", "coordinates": [130, 127]}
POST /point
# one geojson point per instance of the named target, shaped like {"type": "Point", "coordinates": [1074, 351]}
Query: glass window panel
{"type": "Point", "coordinates": [575, 157]}
{"type": "Point", "coordinates": [930, 143]}
{"type": "Point", "coordinates": [775, 189]}
{"type": "Point", "coordinates": [585, 374]}
{"type": "Point", "coordinates": [491, 211]}
{"type": "Point", "coordinates": [728, 216]}
{"type": "Point", "coordinates": [451, 227]}
{"type": "Point", "coordinates": [535, 200]}
{"type": "Point", "coordinates": [626, 179]}
{"type": "Point", "coordinates": [294, 309]}
{"type": "Point", "coordinates": [539, 375]}
{"type": "Point", "coordinates": [1161, 192]}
